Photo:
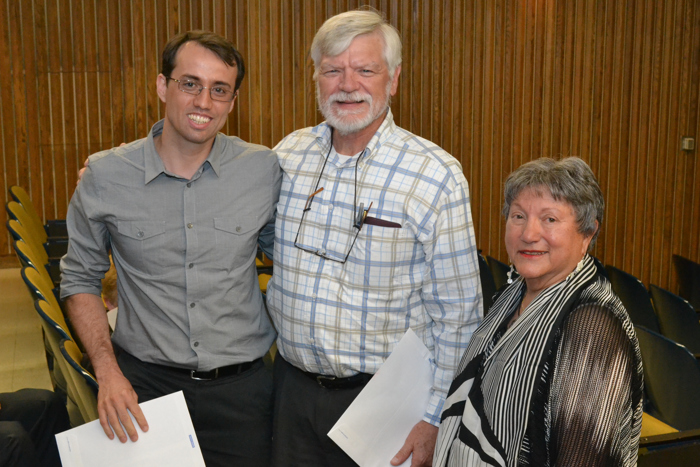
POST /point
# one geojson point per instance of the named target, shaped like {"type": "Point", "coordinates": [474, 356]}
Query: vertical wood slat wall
{"type": "Point", "coordinates": [495, 82]}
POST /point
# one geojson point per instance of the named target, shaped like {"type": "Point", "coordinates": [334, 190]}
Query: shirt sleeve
{"type": "Point", "coordinates": [590, 394]}
{"type": "Point", "coordinates": [266, 239]}
{"type": "Point", "coordinates": [451, 289]}
{"type": "Point", "coordinates": [87, 260]}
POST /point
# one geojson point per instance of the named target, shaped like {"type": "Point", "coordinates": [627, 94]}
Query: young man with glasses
{"type": "Point", "coordinates": [373, 236]}
{"type": "Point", "coordinates": [181, 211]}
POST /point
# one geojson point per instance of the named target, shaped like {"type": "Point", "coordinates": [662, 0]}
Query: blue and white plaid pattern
{"type": "Point", "coordinates": [341, 319]}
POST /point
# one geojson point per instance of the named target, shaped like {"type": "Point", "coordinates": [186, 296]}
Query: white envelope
{"type": "Point", "coordinates": [375, 426]}
{"type": "Point", "coordinates": [170, 440]}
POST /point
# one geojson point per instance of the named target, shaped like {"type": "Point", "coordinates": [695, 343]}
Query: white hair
{"type": "Point", "coordinates": [337, 32]}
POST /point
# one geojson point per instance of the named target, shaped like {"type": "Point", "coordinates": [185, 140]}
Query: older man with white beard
{"type": "Point", "coordinates": [373, 236]}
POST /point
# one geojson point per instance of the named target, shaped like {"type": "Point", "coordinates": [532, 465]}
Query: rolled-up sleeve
{"type": "Point", "coordinates": [87, 260]}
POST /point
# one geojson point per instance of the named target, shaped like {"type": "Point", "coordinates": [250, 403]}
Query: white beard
{"type": "Point", "coordinates": [346, 122]}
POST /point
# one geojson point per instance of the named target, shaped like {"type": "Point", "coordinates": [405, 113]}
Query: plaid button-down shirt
{"type": "Point", "coordinates": [418, 270]}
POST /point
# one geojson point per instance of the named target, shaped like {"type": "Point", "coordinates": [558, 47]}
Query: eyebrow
{"type": "Point", "coordinates": [197, 78]}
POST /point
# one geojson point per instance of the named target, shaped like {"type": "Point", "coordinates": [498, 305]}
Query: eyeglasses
{"type": "Point", "coordinates": [358, 221]}
{"type": "Point", "coordinates": [217, 93]}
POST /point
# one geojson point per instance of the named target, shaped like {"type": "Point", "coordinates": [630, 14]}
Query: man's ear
{"type": "Point", "coordinates": [395, 81]}
{"type": "Point", "coordinates": [161, 86]}
{"type": "Point", "coordinates": [233, 102]}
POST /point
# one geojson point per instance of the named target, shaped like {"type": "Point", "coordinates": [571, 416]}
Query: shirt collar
{"type": "Point", "coordinates": [383, 133]}
{"type": "Point", "coordinates": [154, 164]}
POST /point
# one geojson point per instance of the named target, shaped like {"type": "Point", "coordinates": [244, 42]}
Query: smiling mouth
{"type": "Point", "coordinates": [199, 119]}
{"type": "Point", "coordinates": [532, 253]}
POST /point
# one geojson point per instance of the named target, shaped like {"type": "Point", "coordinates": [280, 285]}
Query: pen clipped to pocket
{"type": "Point", "coordinates": [381, 223]}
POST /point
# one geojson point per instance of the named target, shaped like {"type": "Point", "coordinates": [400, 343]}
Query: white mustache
{"type": "Point", "coordinates": [355, 96]}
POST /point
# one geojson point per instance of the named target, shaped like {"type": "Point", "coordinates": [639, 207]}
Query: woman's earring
{"type": "Point", "coordinates": [510, 274]}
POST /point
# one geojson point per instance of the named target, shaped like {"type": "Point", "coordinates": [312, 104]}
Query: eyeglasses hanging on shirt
{"type": "Point", "coordinates": [357, 221]}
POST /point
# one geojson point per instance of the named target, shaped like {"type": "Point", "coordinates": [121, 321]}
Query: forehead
{"type": "Point", "coordinates": [540, 198]}
{"type": "Point", "coordinates": [196, 61]}
{"type": "Point", "coordinates": [365, 48]}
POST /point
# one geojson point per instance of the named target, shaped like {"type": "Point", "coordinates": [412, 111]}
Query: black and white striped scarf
{"type": "Point", "coordinates": [487, 426]}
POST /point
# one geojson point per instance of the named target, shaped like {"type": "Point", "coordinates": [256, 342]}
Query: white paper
{"type": "Point", "coordinates": [170, 440]}
{"type": "Point", "coordinates": [377, 423]}
{"type": "Point", "coordinates": [112, 318]}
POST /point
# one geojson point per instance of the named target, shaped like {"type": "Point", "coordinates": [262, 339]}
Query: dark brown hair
{"type": "Point", "coordinates": [223, 49]}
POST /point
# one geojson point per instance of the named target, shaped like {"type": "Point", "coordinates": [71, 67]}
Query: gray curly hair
{"type": "Point", "coordinates": [570, 180]}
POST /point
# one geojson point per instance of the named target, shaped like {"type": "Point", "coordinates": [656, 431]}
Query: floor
{"type": "Point", "coordinates": [23, 361]}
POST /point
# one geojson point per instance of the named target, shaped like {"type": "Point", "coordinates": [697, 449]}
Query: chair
{"type": "Point", "coordinates": [263, 279]}
{"type": "Point", "coordinates": [499, 271]}
{"type": "Point", "coordinates": [55, 330]}
{"type": "Point", "coordinates": [53, 228]}
{"type": "Point", "coordinates": [688, 273]}
{"type": "Point", "coordinates": [40, 286]}
{"type": "Point", "coordinates": [671, 380]}
{"type": "Point", "coordinates": [634, 297]}
{"type": "Point", "coordinates": [28, 256]}
{"type": "Point", "coordinates": [53, 250]}
{"type": "Point", "coordinates": [488, 285]}
{"type": "Point", "coordinates": [84, 383]}
{"type": "Point", "coordinates": [677, 319]}
{"type": "Point", "coordinates": [16, 211]}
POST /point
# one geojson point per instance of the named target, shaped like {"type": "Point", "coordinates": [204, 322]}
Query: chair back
{"type": "Point", "coordinates": [263, 279]}
{"type": "Point", "coordinates": [18, 212]}
{"type": "Point", "coordinates": [19, 232]}
{"type": "Point", "coordinates": [21, 196]}
{"type": "Point", "coordinates": [28, 256]}
{"type": "Point", "coordinates": [677, 319]}
{"type": "Point", "coordinates": [634, 297]}
{"type": "Point", "coordinates": [671, 380]}
{"type": "Point", "coordinates": [40, 286]}
{"type": "Point", "coordinates": [488, 285]}
{"type": "Point", "coordinates": [55, 330]}
{"type": "Point", "coordinates": [53, 317]}
{"type": "Point", "coordinates": [688, 273]}
{"type": "Point", "coordinates": [83, 382]}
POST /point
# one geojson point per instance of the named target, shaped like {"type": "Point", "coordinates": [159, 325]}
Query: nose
{"type": "Point", "coordinates": [203, 99]}
{"type": "Point", "coordinates": [532, 231]}
{"type": "Point", "coordinates": [348, 82]}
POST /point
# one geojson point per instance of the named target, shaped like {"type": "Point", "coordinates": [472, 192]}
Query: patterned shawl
{"type": "Point", "coordinates": [486, 412]}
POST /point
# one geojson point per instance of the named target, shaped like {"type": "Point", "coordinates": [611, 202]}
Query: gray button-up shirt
{"type": "Point", "coordinates": [184, 250]}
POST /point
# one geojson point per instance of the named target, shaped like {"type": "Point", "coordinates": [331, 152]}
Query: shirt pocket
{"type": "Point", "coordinates": [236, 239]}
{"type": "Point", "coordinates": [391, 255]}
{"type": "Point", "coordinates": [142, 242]}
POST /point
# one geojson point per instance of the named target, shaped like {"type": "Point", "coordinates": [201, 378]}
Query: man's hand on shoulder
{"type": "Point", "coordinates": [85, 164]}
{"type": "Point", "coordinates": [420, 442]}
{"type": "Point", "coordinates": [115, 399]}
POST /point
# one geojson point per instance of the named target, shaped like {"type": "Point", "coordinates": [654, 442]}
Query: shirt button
{"type": "Point", "coordinates": [189, 184]}
{"type": "Point", "coordinates": [322, 252]}
{"type": "Point", "coordinates": [139, 234]}
{"type": "Point", "coordinates": [191, 265]}
{"type": "Point", "coordinates": [330, 207]}
{"type": "Point", "coordinates": [192, 305]}
{"type": "Point", "coordinates": [238, 229]}
{"type": "Point", "coordinates": [190, 225]}
{"type": "Point", "coordinates": [196, 344]}
{"type": "Point", "coordinates": [313, 296]}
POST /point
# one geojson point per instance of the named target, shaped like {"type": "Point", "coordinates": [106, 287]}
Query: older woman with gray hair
{"type": "Point", "coordinates": [553, 375]}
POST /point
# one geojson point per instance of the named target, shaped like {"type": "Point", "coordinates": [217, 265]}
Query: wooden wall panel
{"type": "Point", "coordinates": [496, 83]}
